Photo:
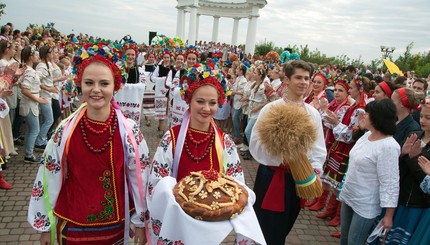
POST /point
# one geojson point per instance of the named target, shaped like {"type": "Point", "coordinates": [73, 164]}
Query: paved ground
{"type": "Point", "coordinates": [14, 228]}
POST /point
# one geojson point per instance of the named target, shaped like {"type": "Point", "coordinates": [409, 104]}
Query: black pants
{"type": "Point", "coordinates": [275, 225]}
{"type": "Point", "coordinates": [56, 112]}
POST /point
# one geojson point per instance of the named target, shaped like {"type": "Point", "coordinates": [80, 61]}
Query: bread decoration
{"type": "Point", "coordinates": [210, 196]}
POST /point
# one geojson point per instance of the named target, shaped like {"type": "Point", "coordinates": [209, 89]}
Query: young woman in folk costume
{"type": "Point", "coordinates": [162, 75]}
{"type": "Point", "coordinates": [339, 105]}
{"type": "Point", "coordinates": [337, 164]}
{"type": "Point", "coordinates": [87, 190]}
{"type": "Point", "coordinates": [131, 94]}
{"type": "Point", "coordinates": [197, 144]}
{"type": "Point", "coordinates": [319, 83]}
{"type": "Point", "coordinates": [178, 105]}
{"type": "Point", "coordinates": [383, 90]}
{"type": "Point", "coordinates": [148, 97]}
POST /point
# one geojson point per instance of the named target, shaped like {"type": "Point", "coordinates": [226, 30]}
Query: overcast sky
{"type": "Point", "coordinates": [334, 27]}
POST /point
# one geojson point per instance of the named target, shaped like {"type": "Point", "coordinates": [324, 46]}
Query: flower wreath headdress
{"type": "Point", "coordinates": [323, 74]}
{"type": "Point", "coordinates": [129, 44]}
{"type": "Point", "coordinates": [100, 52]}
{"type": "Point", "coordinates": [192, 50]}
{"type": "Point", "coordinates": [201, 75]}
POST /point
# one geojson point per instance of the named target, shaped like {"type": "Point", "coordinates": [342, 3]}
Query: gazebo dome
{"type": "Point", "coordinates": [235, 9]}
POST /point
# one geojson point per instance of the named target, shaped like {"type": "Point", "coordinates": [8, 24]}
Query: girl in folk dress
{"type": "Point", "coordinates": [197, 144]}
{"type": "Point", "coordinates": [87, 190]}
{"type": "Point", "coordinates": [161, 77]}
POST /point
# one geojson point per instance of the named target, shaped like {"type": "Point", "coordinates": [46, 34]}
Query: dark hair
{"type": "Point", "coordinates": [26, 54]}
{"type": "Point", "coordinates": [3, 47]}
{"type": "Point", "coordinates": [290, 68]}
{"type": "Point", "coordinates": [421, 80]}
{"type": "Point", "coordinates": [383, 115]}
{"type": "Point", "coordinates": [350, 68]}
{"type": "Point", "coordinates": [369, 76]}
{"type": "Point", "coordinates": [43, 53]}
{"type": "Point", "coordinates": [243, 68]}
{"type": "Point", "coordinates": [378, 79]}
{"type": "Point", "coordinates": [398, 82]}
{"type": "Point", "coordinates": [391, 86]}
{"type": "Point", "coordinates": [4, 29]}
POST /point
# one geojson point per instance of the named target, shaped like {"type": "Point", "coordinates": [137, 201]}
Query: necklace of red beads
{"type": "Point", "coordinates": [209, 137]}
{"type": "Point", "coordinates": [86, 125]}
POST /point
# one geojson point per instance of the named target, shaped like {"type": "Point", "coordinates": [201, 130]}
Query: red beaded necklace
{"type": "Point", "coordinates": [108, 124]}
{"type": "Point", "coordinates": [210, 136]}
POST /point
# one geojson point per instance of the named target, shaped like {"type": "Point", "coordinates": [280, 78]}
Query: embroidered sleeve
{"type": "Point", "coordinates": [27, 78]}
{"type": "Point", "coordinates": [233, 166]}
{"type": "Point", "coordinates": [340, 114]}
{"type": "Point", "coordinates": [50, 166]}
{"type": "Point", "coordinates": [344, 132]}
{"type": "Point", "coordinates": [133, 175]}
{"type": "Point", "coordinates": [42, 70]}
{"type": "Point", "coordinates": [425, 185]}
{"type": "Point", "coordinates": [161, 165]}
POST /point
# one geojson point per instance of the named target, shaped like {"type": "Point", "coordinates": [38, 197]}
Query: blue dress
{"type": "Point", "coordinates": [421, 235]}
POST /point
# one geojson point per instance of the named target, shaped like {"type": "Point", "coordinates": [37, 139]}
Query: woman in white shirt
{"type": "Point", "coordinates": [29, 106]}
{"type": "Point", "coordinates": [44, 71]}
{"type": "Point", "coordinates": [372, 181]}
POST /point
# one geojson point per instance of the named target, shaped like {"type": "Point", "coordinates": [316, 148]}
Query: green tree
{"type": "Point", "coordinates": [264, 47]}
{"type": "Point", "coordinates": [2, 8]}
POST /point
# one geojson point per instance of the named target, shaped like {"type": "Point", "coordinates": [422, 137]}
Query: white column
{"type": "Point", "coordinates": [180, 23]}
{"type": "Point", "coordinates": [250, 35]}
{"type": "Point", "coordinates": [192, 27]}
{"type": "Point", "coordinates": [215, 29]}
{"type": "Point", "coordinates": [197, 27]}
{"type": "Point", "coordinates": [235, 31]}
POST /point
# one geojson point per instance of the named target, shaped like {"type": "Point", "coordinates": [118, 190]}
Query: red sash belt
{"type": "Point", "coordinates": [274, 200]}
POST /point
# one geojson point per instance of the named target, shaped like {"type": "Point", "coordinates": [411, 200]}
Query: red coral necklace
{"type": "Point", "coordinates": [210, 136]}
{"type": "Point", "coordinates": [85, 124]}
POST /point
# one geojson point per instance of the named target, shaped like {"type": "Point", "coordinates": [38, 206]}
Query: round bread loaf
{"type": "Point", "coordinates": [210, 196]}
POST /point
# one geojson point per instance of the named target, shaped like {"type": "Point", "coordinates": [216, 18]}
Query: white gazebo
{"type": "Point", "coordinates": [235, 9]}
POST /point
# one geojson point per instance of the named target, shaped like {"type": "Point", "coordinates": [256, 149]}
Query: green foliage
{"type": "Point", "coordinates": [420, 63]}
{"type": "Point", "coordinates": [265, 47]}
{"type": "Point", "coordinates": [2, 7]}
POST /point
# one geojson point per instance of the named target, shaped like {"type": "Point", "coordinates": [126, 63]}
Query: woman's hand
{"type": "Point", "coordinates": [323, 104]}
{"type": "Point", "coordinates": [331, 118]}
{"type": "Point", "coordinates": [140, 236]}
{"type": "Point", "coordinates": [11, 69]}
{"type": "Point", "coordinates": [361, 121]}
{"type": "Point", "coordinates": [42, 100]}
{"type": "Point", "coordinates": [416, 149]}
{"type": "Point", "coordinates": [45, 238]}
{"type": "Point", "coordinates": [406, 148]}
{"type": "Point", "coordinates": [268, 86]}
{"type": "Point", "coordinates": [424, 164]}
{"type": "Point", "coordinates": [387, 221]}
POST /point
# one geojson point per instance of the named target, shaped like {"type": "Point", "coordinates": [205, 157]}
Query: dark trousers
{"type": "Point", "coordinates": [56, 112]}
{"type": "Point", "coordinates": [275, 225]}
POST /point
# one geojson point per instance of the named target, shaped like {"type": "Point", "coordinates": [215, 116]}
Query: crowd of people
{"type": "Point", "coordinates": [209, 101]}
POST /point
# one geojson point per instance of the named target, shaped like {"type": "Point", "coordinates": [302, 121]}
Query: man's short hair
{"type": "Point", "coordinates": [290, 68]}
{"type": "Point", "coordinates": [421, 80]}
